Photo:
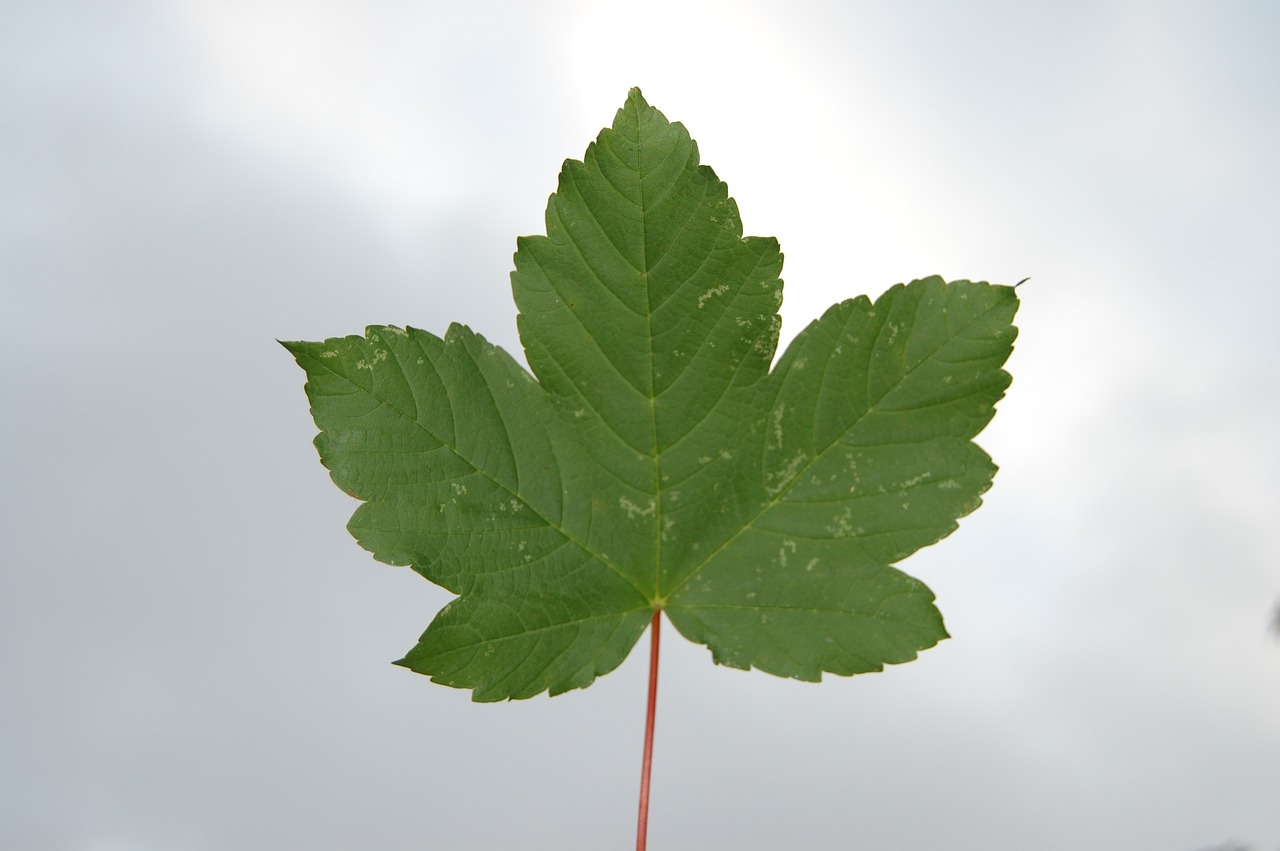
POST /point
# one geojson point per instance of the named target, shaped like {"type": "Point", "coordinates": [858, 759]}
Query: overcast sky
{"type": "Point", "coordinates": [194, 655]}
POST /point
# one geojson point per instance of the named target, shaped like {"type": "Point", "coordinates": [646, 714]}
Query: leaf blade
{"type": "Point", "coordinates": [452, 448]}
{"type": "Point", "coordinates": [641, 310]}
{"type": "Point", "coordinates": [858, 471]}
{"type": "Point", "coordinates": [657, 461]}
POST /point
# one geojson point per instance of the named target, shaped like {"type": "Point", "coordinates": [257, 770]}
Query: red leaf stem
{"type": "Point", "coordinates": [643, 829]}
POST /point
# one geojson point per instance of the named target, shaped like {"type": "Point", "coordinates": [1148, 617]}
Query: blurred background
{"type": "Point", "coordinates": [194, 653]}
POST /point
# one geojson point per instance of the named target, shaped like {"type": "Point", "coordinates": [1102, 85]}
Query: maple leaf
{"type": "Point", "coordinates": [657, 462]}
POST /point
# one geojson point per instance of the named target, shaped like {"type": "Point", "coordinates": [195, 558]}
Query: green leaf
{"type": "Point", "coordinates": [656, 462]}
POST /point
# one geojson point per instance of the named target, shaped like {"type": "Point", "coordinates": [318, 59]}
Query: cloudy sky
{"type": "Point", "coordinates": [194, 653]}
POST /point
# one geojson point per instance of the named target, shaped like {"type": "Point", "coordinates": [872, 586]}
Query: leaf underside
{"type": "Point", "coordinates": [656, 461]}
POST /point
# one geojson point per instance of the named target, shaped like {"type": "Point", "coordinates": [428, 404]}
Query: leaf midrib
{"type": "Point", "coordinates": [654, 452]}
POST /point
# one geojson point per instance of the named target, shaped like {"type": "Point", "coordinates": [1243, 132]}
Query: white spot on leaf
{"type": "Point", "coordinates": [379, 355]}
{"type": "Point", "coordinates": [633, 510]}
{"type": "Point", "coordinates": [782, 552]}
{"type": "Point", "coordinates": [779, 479]}
{"type": "Point", "coordinates": [777, 427]}
{"type": "Point", "coordinates": [842, 524]}
{"type": "Point", "coordinates": [710, 294]}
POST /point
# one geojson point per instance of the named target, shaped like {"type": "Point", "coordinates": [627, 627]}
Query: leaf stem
{"type": "Point", "coordinates": [642, 829]}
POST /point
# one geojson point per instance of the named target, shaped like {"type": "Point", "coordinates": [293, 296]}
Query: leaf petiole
{"type": "Point", "coordinates": [642, 829]}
